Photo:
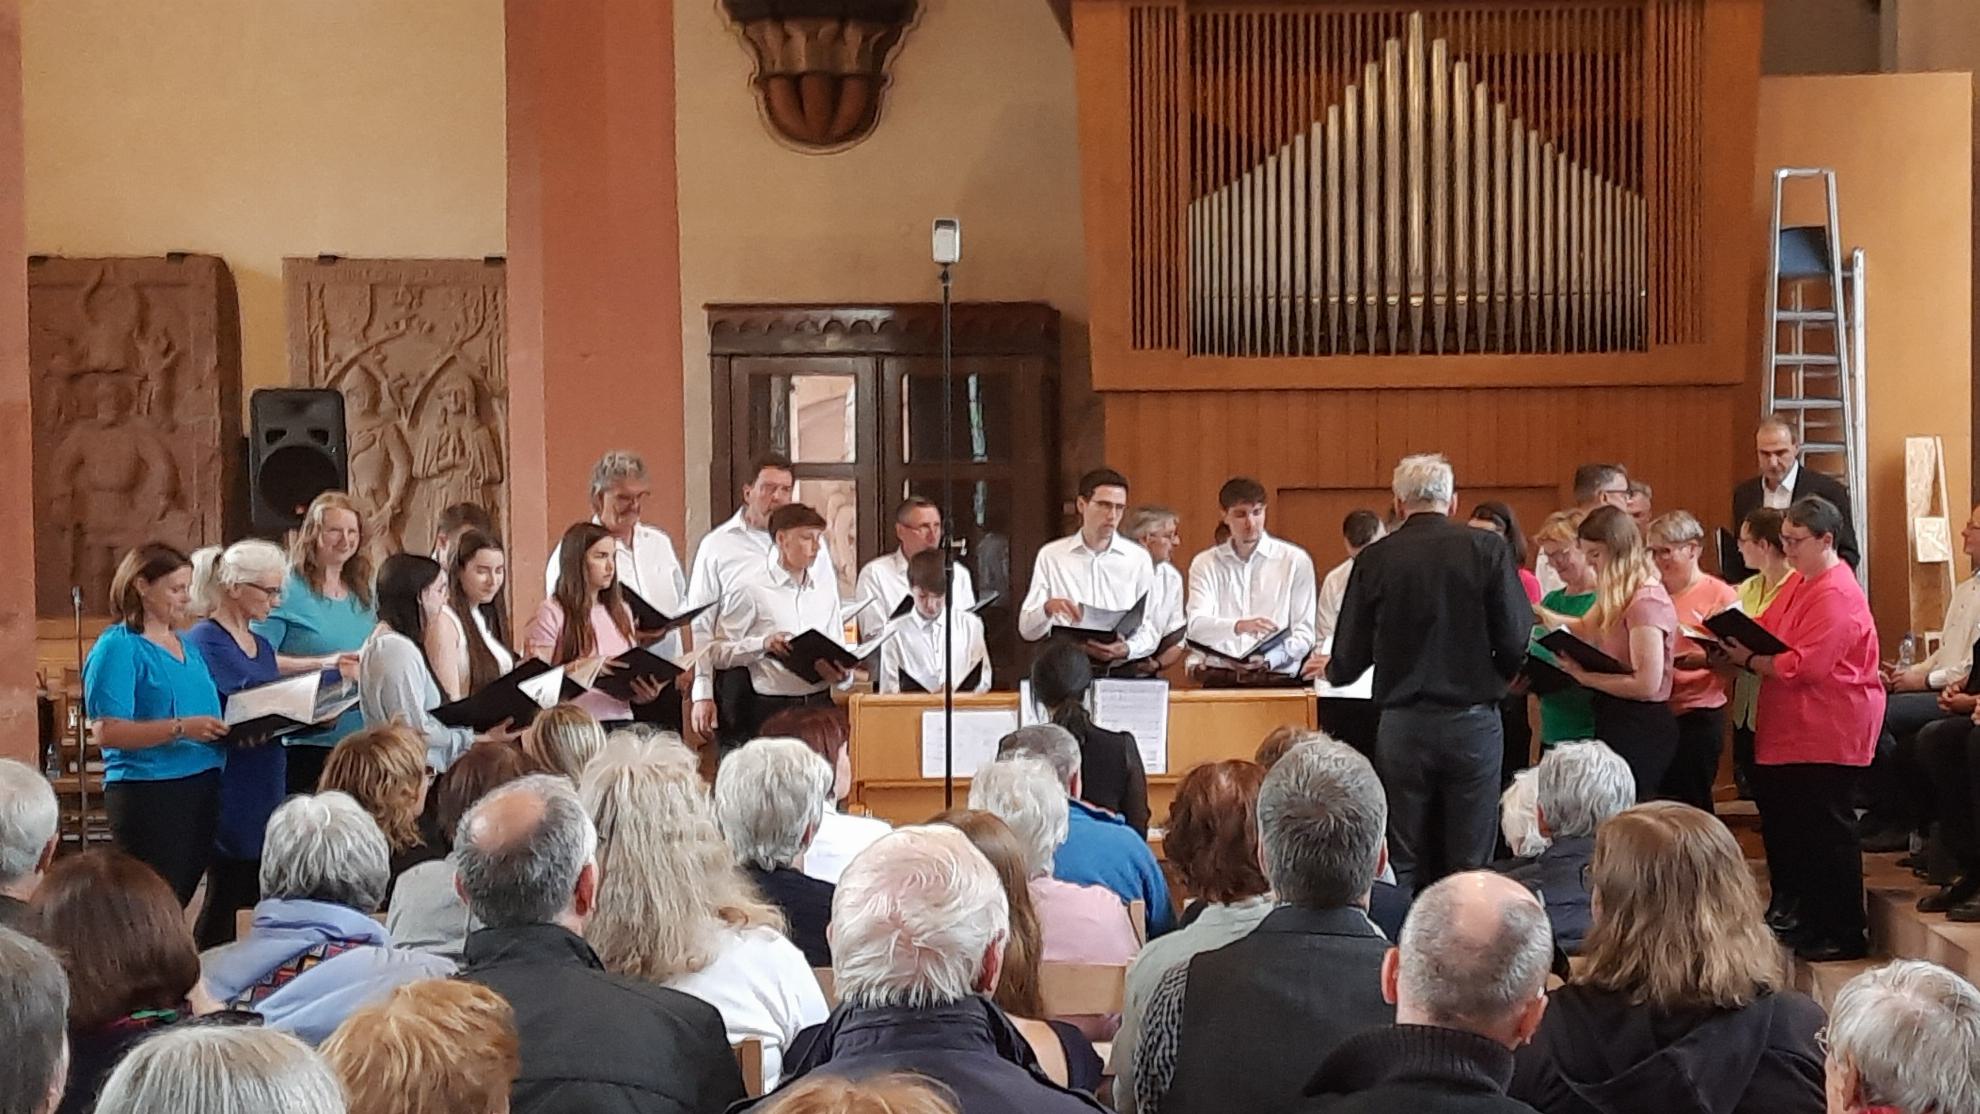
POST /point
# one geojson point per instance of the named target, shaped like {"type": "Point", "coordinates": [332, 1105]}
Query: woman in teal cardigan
{"type": "Point", "coordinates": [326, 613]}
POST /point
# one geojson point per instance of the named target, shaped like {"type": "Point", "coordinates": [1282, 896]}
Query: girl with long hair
{"type": "Point", "coordinates": [1110, 771]}
{"type": "Point", "coordinates": [468, 641]}
{"type": "Point", "coordinates": [396, 683]}
{"type": "Point", "coordinates": [587, 618]}
{"type": "Point", "coordinates": [326, 612]}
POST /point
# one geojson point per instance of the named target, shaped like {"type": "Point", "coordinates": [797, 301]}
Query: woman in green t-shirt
{"type": "Point", "coordinates": [1568, 714]}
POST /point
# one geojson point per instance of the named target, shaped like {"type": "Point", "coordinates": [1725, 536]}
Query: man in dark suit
{"type": "Point", "coordinates": [1781, 481]}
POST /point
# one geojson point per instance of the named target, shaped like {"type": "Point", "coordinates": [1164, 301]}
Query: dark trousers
{"type": "Point", "coordinates": [167, 825]}
{"type": "Point", "coordinates": [1516, 732]}
{"type": "Point", "coordinates": [1701, 739]}
{"type": "Point", "coordinates": [1743, 760]}
{"type": "Point", "coordinates": [1949, 750]}
{"type": "Point", "coordinates": [1354, 722]}
{"type": "Point", "coordinates": [1644, 733]}
{"type": "Point", "coordinates": [756, 709]}
{"type": "Point", "coordinates": [231, 886]}
{"type": "Point", "coordinates": [1814, 859]}
{"type": "Point", "coordinates": [305, 768]}
{"type": "Point", "coordinates": [1440, 766]}
{"type": "Point", "coordinates": [1897, 792]}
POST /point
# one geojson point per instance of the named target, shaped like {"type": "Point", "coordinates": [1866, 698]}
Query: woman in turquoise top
{"type": "Point", "coordinates": [326, 613]}
{"type": "Point", "coordinates": [155, 713]}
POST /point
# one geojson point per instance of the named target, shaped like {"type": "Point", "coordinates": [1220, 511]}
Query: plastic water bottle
{"type": "Point", "coordinates": [1907, 651]}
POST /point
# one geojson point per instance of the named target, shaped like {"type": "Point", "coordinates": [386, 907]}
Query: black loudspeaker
{"type": "Point", "coordinates": [296, 451]}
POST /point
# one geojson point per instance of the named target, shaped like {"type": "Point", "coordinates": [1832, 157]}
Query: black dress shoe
{"type": "Point", "coordinates": [1959, 893]}
{"type": "Point", "coordinates": [1832, 951]}
{"type": "Point", "coordinates": [1966, 912]}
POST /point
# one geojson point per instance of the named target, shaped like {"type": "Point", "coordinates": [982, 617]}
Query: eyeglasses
{"type": "Point", "coordinates": [1822, 1041]}
{"type": "Point", "coordinates": [1793, 541]}
{"type": "Point", "coordinates": [272, 594]}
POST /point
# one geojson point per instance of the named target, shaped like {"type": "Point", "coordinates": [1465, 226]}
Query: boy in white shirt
{"type": "Point", "coordinates": [916, 651]}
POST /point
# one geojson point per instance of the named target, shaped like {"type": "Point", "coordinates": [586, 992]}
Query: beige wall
{"type": "Point", "coordinates": [1902, 148]}
{"type": "Point", "coordinates": [979, 123]}
{"type": "Point", "coordinates": [257, 129]}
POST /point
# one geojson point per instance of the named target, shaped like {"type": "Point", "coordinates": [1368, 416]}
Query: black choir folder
{"type": "Point", "coordinates": [513, 698]}
{"type": "Point", "coordinates": [812, 647]}
{"type": "Point", "coordinates": [283, 707]}
{"type": "Point", "coordinates": [906, 605]}
{"type": "Point", "coordinates": [1100, 624]}
{"type": "Point", "coordinates": [641, 663]}
{"type": "Point", "coordinates": [1738, 625]}
{"type": "Point", "coordinates": [1544, 678]}
{"type": "Point", "coordinates": [650, 622]}
{"type": "Point", "coordinates": [967, 684]}
{"type": "Point", "coordinates": [1564, 644]}
{"type": "Point", "coordinates": [1264, 646]}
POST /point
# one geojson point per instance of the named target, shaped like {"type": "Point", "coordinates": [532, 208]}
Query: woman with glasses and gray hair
{"type": "Point", "coordinates": [672, 906]}
{"type": "Point", "coordinates": [1904, 1039]}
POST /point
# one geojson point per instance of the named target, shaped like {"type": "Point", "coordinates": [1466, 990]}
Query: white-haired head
{"type": "Point", "coordinates": [1474, 955]}
{"type": "Point", "coordinates": [28, 818]}
{"type": "Point", "coordinates": [1424, 482]}
{"type": "Point", "coordinates": [325, 848]}
{"type": "Point", "coordinates": [248, 561]}
{"type": "Point", "coordinates": [1581, 785]}
{"type": "Point", "coordinates": [1906, 1037]}
{"type": "Point", "coordinates": [1519, 815]}
{"type": "Point", "coordinates": [770, 795]}
{"type": "Point", "coordinates": [919, 920]}
{"type": "Point", "coordinates": [222, 1070]}
{"type": "Point", "coordinates": [1025, 793]}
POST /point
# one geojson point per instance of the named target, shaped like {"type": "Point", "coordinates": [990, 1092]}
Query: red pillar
{"type": "Point", "coordinates": [18, 722]}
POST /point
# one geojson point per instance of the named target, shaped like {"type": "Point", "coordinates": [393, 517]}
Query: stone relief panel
{"type": "Point", "coordinates": [417, 346]}
{"type": "Point", "coordinates": [136, 388]}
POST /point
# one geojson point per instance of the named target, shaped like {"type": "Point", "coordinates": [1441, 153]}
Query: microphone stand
{"type": "Point", "coordinates": [80, 715]}
{"type": "Point", "coordinates": [948, 551]}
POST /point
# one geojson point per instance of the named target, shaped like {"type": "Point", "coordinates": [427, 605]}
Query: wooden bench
{"type": "Point", "coordinates": [749, 1060]}
{"type": "Point", "coordinates": [1082, 989]}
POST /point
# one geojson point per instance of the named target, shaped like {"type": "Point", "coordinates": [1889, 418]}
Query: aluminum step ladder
{"type": "Point", "coordinates": [1815, 347]}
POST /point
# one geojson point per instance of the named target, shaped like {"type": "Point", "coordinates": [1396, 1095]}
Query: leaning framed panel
{"type": "Point", "coordinates": [1204, 726]}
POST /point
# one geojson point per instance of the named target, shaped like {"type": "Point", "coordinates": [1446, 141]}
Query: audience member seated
{"type": "Point", "coordinates": [29, 816]}
{"type": "Point", "coordinates": [919, 928]}
{"type": "Point", "coordinates": [1110, 772]}
{"type": "Point", "coordinates": [1064, 1054]}
{"type": "Point", "coordinates": [130, 959]}
{"type": "Point", "coordinates": [1388, 902]}
{"type": "Point", "coordinates": [1468, 980]}
{"type": "Point", "coordinates": [894, 1093]}
{"type": "Point", "coordinates": [1212, 841]}
{"type": "Point", "coordinates": [1241, 1028]}
{"type": "Point", "coordinates": [33, 1025]}
{"type": "Point", "coordinates": [427, 912]}
{"type": "Point", "coordinates": [1100, 849]}
{"type": "Point", "coordinates": [315, 953]}
{"type": "Point", "coordinates": [1519, 817]}
{"type": "Point", "coordinates": [563, 739]}
{"type": "Point", "coordinates": [590, 1040]}
{"type": "Point", "coordinates": [1681, 1001]}
{"type": "Point", "coordinates": [841, 835]}
{"type": "Point", "coordinates": [1278, 741]}
{"type": "Point", "coordinates": [1579, 787]}
{"type": "Point", "coordinates": [1904, 1039]}
{"type": "Point", "coordinates": [673, 907]}
{"type": "Point", "coordinates": [769, 796]}
{"type": "Point", "coordinates": [213, 1070]}
{"type": "Point", "coordinates": [441, 1046]}
{"type": "Point", "coordinates": [384, 770]}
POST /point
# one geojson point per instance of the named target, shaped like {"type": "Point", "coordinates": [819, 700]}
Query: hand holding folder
{"type": "Point", "coordinates": [618, 677]}
{"type": "Point", "coordinates": [1104, 625]}
{"type": "Point", "coordinates": [513, 698]}
{"type": "Point", "coordinates": [650, 623]}
{"type": "Point", "coordinates": [804, 652]}
{"type": "Point", "coordinates": [1563, 643]}
{"type": "Point", "coordinates": [283, 707]}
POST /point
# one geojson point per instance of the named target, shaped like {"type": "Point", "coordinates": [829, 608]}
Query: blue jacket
{"type": "Point", "coordinates": [1101, 850]}
{"type": "Point", "coordinates": [1557, 876]}
{"type": "Point", "coordinates": [312, 1004]}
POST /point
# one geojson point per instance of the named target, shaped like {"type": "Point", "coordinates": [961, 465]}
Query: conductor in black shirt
{"type": "Point", "coordinates": [1437, 609]}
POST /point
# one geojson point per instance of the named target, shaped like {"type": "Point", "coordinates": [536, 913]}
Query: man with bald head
{"type": "Point", "coordinates": [1469, 983]}
{"type": "Point", "coordinates": [525, 863]}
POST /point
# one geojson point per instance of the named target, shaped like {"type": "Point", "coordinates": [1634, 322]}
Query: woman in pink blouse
{"type": "Point", "coordinates": [1821, 706]}
{"type": "Point", "coordinates": [587, 618]}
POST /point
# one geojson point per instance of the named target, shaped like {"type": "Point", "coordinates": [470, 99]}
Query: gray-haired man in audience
{"type": "Point", "coordinates": [28, 816]}
{"type": "Point", "coordinates": [34, 1026]}
{"type": "Point", "coordinates": [1905, 1039]}
{"type": "Point", "coordinates": [1469, 982]}
{"type": "Point", "coordinates": [770, 797]}
{"type": "Point", "coordinates": [1579, 787]}
{"type": "Point", "coordinates": [1240, 1028]}
{"type": "Point", "coordinates": [591, 1040]}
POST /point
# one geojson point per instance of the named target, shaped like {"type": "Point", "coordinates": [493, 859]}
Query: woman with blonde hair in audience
{"type": "Point", "coordinates": [1698, 695]}
{"type": "Point", "coordinates": [564, 739]}
{"type": "Point", "coordinates": [384, 770]}
{"type": "Point", "coordinates": [587, 618]}
{"type": "Point", "coordinates": [441, 1046]}
{"type": "Point", "coordinates": [897, 1093]}
{"type": "Point", "coordinates": [841, 835]}
{"type": "Point", "coordinates": [1634, 623]}
{"type": "Point", "coordinates": [1064, 1054]}
{"type": "Point", "coordinates": [1570, 712]}
{"type": "Point", "coordinates": [673, 907]}
{"type": "Point", "coordinates": [1682, 999]}
{"type": "Point", "coordinates": [426, 910]}
{"type": "Point", "coordinates": [468, 640]}
{"type": "Point", "coordinates": [209, 1070]}
{"type": "Point", "coordinates": [326, 613]}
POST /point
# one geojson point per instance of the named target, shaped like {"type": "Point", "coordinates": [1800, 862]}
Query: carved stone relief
{"type": "Point", "coordinates": [417, 346]}
{"type": "Point", "coordinates": [136, 369]}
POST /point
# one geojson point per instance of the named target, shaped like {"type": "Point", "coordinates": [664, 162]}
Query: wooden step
{"type": "Point", "coordinates": [1899, 930]}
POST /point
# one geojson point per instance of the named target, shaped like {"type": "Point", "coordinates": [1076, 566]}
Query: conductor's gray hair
{"type": "Point", "coordinates": [914, 916]}
{"type": "Point", "coordinates": [1911, 1030]}
{"type": "Point", "coordinates": [525, 875]}
{"type": "Point", "coordinates": [1026, 795]}
{"type": "Point", "coordinates": [770, 795]}
{"type": "Point", "coordinates": [222, 1070]}
{"type": "Point", "coordinates": [1581, 785]}
{"type": "Point", "coordinates": [1321, 819]}
{"type": "Point", "coordinates": [1048, 742]}
{"type": "Point", "coordinates": [34, 1022]}
{"type": "Point", "coordinates": [326, 848]}
{"type": "Point", "coordinates": [1424, 480]}
{"type": "Point", "coordinates": [614, 467]}
{"type": "Point", "coordinates": [28, 817]}
{"type": "Point", "coordinates": [1466, 979]}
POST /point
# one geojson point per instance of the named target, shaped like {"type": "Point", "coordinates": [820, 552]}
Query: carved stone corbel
{"type": "Point", "coordinates": [821, 65]}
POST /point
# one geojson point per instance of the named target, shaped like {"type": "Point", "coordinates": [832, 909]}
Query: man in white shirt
{"type": "Point", "coordinates": [644, 554]}
{"type": "Point", "coordinates": [765, 611]}
{"type": "Point", "coordinates": [915, 651]}
{"type": "Point", "coordinates": [739, 547]}
{"type": "Point", "coordinates": [1358, 531]}
{"type": "Point", "coordinates": [883, 583]}
{"type": "Point", "coordinates": [1249, 589]}
{"type": "Point", "coordinates": [1096, 568]}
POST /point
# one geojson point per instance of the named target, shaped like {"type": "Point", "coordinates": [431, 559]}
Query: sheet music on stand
{"type": "Point", "coordinates": [1140, 708]}
{"type": "Point", "coordinates": [978, 731]}
{"type": "Point", "coordinates": [1030, 712]}
{"type": "Point", "coordinates": [1361, 688]}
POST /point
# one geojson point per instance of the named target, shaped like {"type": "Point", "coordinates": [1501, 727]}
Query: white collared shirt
{"type": "Point", "coordinates": [883, 584]}
{"type": "Point", "coordinates": [1954, 657]}
{"type": "Point", "coordinates": [727, 554]}
{"type": "Point", "coordinates": [1165, 601]}
{"type": "Point", "coordinates": [1780, 498]}
{"type": "Point", "coordinates": [647, 566]}
{"type": "Point", "coordinates": [1275, 583]}
{"type": "Point", "coordinates": [767, 601]}
{"type": "Point", "coordinates": [1333, 590]}
{"type": "Point", "coordinates": [916, 648]}
{"type": "Point", "coordinates": [1113, 577]}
